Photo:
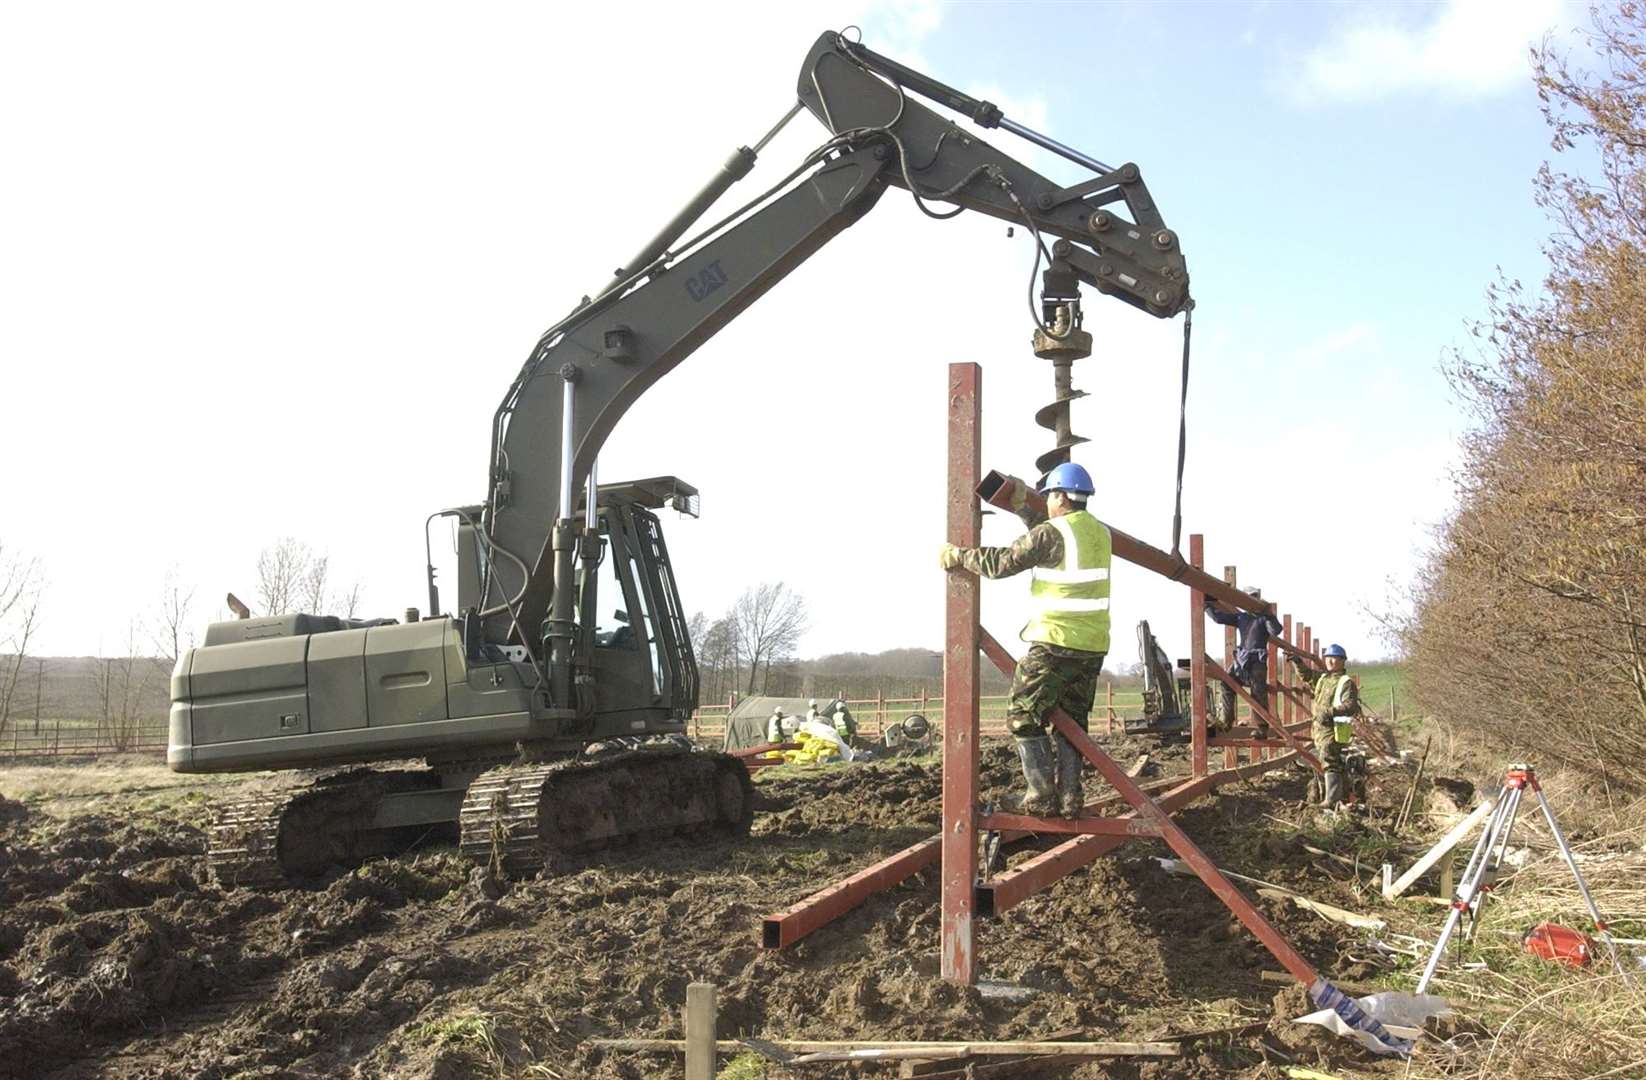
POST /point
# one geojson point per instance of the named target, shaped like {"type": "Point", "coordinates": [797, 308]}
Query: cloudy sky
{"type": "Point", "coordinates": [267, 271]}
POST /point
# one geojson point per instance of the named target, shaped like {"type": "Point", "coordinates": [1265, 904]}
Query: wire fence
{"type": "Point", "coordinates": [58, 739]}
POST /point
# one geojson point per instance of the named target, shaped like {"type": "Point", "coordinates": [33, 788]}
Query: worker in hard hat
{"type": "Point", "coordinates": [811, 711]}
{"type": "Point", "coordinates": [1252, 633]}
{"type": "Point", "coordinates": [844, 725]}
{"type": "Point", "coordinates": [1068, 552]}
{"type": "Point", "coordinates": [1336, 703]}
{"type": "Point", "coordinates": [774, 726]}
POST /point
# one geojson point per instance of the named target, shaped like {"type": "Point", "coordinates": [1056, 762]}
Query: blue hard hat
{"type": "Point", "coordinates": [1337, 651]}
{"type": "Point", "coordinates": [1067, 477]}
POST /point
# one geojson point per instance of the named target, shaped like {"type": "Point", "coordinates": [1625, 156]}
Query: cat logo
{"type": "Point", "coordinates": [705, 281]}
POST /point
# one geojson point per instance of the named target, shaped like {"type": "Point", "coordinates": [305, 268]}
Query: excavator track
{"type": "Point", "coordinates": [522, 819]}
{"type": "Point", "coordinates": [293, 837]}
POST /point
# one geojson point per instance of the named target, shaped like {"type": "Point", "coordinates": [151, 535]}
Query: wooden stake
{"type": "Point", "coordinates": [700, 1025]}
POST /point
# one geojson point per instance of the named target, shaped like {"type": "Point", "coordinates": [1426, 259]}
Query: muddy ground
{"type": "Point", "coordinates": [119, 956]}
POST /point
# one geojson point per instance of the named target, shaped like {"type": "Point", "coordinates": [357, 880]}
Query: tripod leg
{"type": "Point", "coordinates": [1494, 858]}
{"type": "Point", "coordinates": [1465, 888]}
{"type": "Point", "coordinates": [1582, 886]}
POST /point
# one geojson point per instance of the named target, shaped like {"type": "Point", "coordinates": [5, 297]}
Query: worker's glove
{"type": "Point", "coordinates": [949, 556]}
{"type": "Point", "coordinates": [1019, 497]}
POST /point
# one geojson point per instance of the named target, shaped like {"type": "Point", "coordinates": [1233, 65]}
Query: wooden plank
{"type": "Point", "coordinates": [1442, 846]}
{"type": "Point", "coordinates": [887, 1048]}
{"type": "Point", "coordinates": [963, 594]}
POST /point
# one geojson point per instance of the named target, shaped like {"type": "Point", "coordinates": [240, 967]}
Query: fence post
{"type": "Point", "coordinates": [1231, 754]}
{"type": "Point", "coordinates": [700, 1031]}
{"type": "Point", "coordinates": [1108, 701]}
{"type": "Point", "coordinates": [1197, 662]}
{"type": "Point", "coordinates": [880, 711]}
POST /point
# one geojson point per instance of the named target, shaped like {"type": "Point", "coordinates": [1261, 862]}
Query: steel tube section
{"type": "Point", "coordinates": [996, 490]}
{"type": "Point", "coordinates": [568, 388]}
{"type": "Point", "coordinates": [591, 496]}
{"type": "Point", "coordinates": [1046, 142]}
{"type": "Point", "coordinates": [1197, 663]}
{"type": "Point", "coordinates": [1149, 811]}
{"type": "Point", "coordinates": [960, 681]}
{"type": "Point", "coordinates": [821, 908]}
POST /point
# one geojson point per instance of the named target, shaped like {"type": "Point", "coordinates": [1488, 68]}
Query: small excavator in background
{"type": "Point", "coordinates": [568, 629]}
{"type": "Point", "coordinates": [1168, 697]}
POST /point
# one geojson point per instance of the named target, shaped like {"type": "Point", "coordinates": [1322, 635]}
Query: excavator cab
{"type": "Point", "coordinates": [637, 673]}
{"type": "Point", "coordinates": [632, 630]}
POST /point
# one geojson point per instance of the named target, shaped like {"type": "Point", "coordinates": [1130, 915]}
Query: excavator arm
{"type": "Point", "coordinates": [587, 369]}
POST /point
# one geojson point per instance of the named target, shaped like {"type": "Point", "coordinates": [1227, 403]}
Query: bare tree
{"type": "Point", "coordinates": [768, 620]}
{"type": "Point", "coordinates": [169, 630]}
{"type": "Point", "coordinates": [314, 583]}
{"type": "Point", "coordinates": [347, 604]}
{"type": "Point", "coordinates": [121, 682]}
{"type": "Point", "coordinates": [282, 571]}
{"type": "Point", "coordinates": [26, 620]}
{"type": "Point", "coordinates": [291, 576]}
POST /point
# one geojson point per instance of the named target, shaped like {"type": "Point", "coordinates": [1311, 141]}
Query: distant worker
{"type": "Point", "coordinates": [844, 725]}
{"type": "Point", "coordinates": [1068, 551]}
{"type": "Point", "coordinates": [774, 726]}
{"type": "Point", "coordinates": [811, 711]}
{"type": "Point", "coordinates": [1336, 704]}
{"type": "Point", "coordinates": [1252, 632]}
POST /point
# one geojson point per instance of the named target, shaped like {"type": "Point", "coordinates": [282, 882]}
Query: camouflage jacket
{"type": "Point", "coordinates": [1042, 545]}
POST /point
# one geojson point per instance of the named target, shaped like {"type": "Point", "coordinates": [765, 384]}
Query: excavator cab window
{"type": "Point", "coordinates": [613, 629]}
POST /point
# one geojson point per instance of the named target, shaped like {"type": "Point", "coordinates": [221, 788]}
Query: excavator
{"type": "Point", "coordinates": [568, 631]}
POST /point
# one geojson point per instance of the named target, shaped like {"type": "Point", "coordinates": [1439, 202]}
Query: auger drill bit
{"type": "Point", "coordinates": [1063, 344]}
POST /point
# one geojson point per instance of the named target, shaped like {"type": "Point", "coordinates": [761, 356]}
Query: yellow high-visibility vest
{"type": "Point", "coordinates": [1071, 600]}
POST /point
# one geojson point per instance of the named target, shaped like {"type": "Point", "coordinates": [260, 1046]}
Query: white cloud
{"type": "Point", "coordinates": [1465, 48]}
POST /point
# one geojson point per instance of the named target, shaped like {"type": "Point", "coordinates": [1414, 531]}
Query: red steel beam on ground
{"type": "Point", "coordinates": [765, 748]}
{"type": "Point", "coordinates": [1197, 663]}
{"type": "Point", "coordinates": [823, 907]}
{"type": "Point", "coordinates": [1146, 808]}
{"type": "Point", "coordinates": [1032, 875]}
{"type": "Point", "coordinates": [958, 955]}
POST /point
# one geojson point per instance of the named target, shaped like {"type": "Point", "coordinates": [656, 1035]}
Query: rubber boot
{"type": "Point", "coordinates": [1334, 789]}
{"type": "Point", "coordinates": [1070, 799]}
{"type": "Point", "coordinates": [1039, 772]}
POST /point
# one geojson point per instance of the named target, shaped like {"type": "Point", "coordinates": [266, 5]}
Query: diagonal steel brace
{"type": "Point", "coordinates": [1297, 743]}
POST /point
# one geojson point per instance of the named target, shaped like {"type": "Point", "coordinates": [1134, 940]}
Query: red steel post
{"type": "Point", "coordinates": [1289, 706]}
{"type": "Point", "coordinates": [960, 681]}
{"type": "Point", "coordinates": [1271, 699]}
{"type": "Point", "coordinates": [1197, 661]}
{"type": "Point", "coordinates": [1231, 756]}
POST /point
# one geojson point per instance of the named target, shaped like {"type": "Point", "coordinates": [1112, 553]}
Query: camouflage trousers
{"type": "Point", "coordinates": [1051, 677]}
{"type": "Point", "coordinates": [1327, 748]}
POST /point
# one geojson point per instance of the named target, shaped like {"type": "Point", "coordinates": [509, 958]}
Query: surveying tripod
{"type": "Point", "coordinates": [1481, 874]}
